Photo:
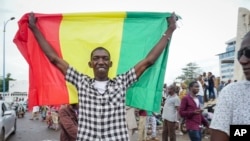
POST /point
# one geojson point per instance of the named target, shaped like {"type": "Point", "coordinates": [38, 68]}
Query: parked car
{"type": "Point", "coordinates": [8, 120]}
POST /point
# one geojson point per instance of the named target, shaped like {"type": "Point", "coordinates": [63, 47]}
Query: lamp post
{"type": "Point", "coordinates": [4, 30]}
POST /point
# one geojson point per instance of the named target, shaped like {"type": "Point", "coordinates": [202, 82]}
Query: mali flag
{"type": "Point", "coordinates": [129, 36]}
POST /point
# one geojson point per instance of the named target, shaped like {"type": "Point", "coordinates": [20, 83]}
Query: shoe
{"type": "Point", "coordinates": [31, 119]}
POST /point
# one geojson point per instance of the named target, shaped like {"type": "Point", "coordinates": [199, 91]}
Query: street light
{"type": "Point", "coordinates": [4, 30]}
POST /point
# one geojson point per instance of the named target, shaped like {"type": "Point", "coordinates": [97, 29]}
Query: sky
{"type": "Point", "coordinates": [201, 34]}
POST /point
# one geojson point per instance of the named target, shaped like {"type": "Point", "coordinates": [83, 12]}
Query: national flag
{"type": "Point", "coordinates": [129, 36]}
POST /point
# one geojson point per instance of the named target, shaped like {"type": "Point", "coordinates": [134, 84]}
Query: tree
{"type": "Point", "coordinates": [7, 79]}
{"type": "Point", "coordinates": [189, 73]}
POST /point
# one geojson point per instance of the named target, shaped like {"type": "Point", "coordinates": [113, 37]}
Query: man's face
{"type": "Point", "coordinates": [244, 58]}
{"type": "Point", "coordinates": [209, 74]}
{"type": "Point", "coordinates": [171, 90]}
{"type": "Point", "coordinates": [100, 62]}
{"type": "Point", "coordinates": [195, 88]}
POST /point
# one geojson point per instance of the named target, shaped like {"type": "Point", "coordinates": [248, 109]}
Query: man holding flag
{"type": "Point", "coordinates": [101, 99]}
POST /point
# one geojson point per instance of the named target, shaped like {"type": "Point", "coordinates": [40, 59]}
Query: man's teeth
{"type": "Point", "coordinates": [101, 69]}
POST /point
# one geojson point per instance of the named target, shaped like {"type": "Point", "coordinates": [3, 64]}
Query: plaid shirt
{"type": "Point", "coordinates": [102, 117]}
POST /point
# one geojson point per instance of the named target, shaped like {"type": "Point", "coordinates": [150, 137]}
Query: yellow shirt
{"type": "Point", "coordinates": [183, 93]}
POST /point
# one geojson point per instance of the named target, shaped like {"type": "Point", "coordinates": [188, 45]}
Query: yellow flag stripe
{"type": "Point", "coordinates": [81, 33]}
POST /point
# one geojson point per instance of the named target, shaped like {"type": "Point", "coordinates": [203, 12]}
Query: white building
{"type": "Point", "coordinates": [18, 91]}
{"type": "Point", "coordinates": [229, 65]}
{"type": "Point", "coordinates": [226, 61]}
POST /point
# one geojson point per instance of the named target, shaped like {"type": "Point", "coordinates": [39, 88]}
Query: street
{"type": "Point", "coordinates": [36, 130]}
{"type": "Point", "coordinates": [33, 130]}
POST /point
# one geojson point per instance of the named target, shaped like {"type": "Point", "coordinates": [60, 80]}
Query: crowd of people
{"type": "Point", "coordinates": [48, 114]}
{"type": "Point", "coordinates": [186, 101]}
{"type": "Point", "coordinates": [64, 117]}
{"type": "Point", "coordinates": [178, 103]}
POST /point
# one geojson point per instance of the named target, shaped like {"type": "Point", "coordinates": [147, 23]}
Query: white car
{"type": "Point", "coordinates": [7, 120]}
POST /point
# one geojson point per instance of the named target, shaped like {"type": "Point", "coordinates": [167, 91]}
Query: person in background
{"type": "Point", "coordinates": [183, 91]}
{"type": "Point", "coordinates": [211, 86]}
{"type": "Point", "coordinates": [182, 94]}
{"type": "Point", "coordinates": [177, 88]}
{"type": "Point", "coordinates": [164, 94]}
{"type": "Point", "coordinates": [221, 86]}
{"type": "Point", "coordinates": [190, 110]}
{"type": "Point", "coordinates": [200, 94]}
{"type": "Point", "coordinates": [35, 113]}
{"type": "Point", "coordinates": [131, 120]}
{"type": "Point", "coordinates": [142, 131]}
{"type": "Point", "coordinates": [232, 106]}
{"type": "Point", "coordinates": [43, 111]}
{"type": "Point", "coordinates": [205, 86]}
{"type": "Point", "coordinates": [228, 82]}
{"type": "Point", "coordinates": [69, 122]}
{"type": "Point", "coordinates": [170, 115]}
{"type": "Point", "coordinates": [151, 120]}
{"type": "Point", "coordinates": [55, 119]}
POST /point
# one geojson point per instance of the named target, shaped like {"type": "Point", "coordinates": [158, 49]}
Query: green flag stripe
{"type": "Point", "coordinates": [137, 41]}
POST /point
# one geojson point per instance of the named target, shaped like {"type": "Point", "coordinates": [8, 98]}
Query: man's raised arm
{"type": "Point", "coordinates": [46, 47]}
{"type": "Point", "coordinates": [158, 48]}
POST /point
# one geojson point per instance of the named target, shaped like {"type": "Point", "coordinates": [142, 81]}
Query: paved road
{"type": "Point", "coordinates": [36, 130]}
{"type": "Point", "coordinates": [179, 137]}
{"type": "Point", "coordinates": [33, 130]}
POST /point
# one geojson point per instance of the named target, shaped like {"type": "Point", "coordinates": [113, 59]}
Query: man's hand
{"type": "Point", "coordinates": [172, 21]}
{"type": "Point", "coordinates": [176, 125]}
{"type": "Point", "coordinates": [32, 20]}
{"type": "Point", "coordinates": [198, 111]}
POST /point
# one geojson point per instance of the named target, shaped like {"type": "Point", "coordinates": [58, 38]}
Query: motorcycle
{"type": "Point", "coordinates": [19, 109]}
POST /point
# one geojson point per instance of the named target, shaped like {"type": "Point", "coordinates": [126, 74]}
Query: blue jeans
{"type": "Point", "coordinates": [195, 135]}
{"type": "Point", "coordinates": [211, 92]}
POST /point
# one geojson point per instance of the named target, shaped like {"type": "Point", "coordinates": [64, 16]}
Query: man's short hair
{"type": "Point", "coordinates": [191, 84]}
{"type": "Point", "coordinates": [99, 48]}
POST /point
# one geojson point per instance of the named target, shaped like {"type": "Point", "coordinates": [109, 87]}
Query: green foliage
{"type": "Point", "coordinates": [7, 79]}
{"type": "Point", "coordinates": [189, 73]}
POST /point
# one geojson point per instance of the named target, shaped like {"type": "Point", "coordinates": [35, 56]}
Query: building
{"type": "Point", "coordinates": [226, 61]}
{"type": "Point", "coordinates": [229, 65]}
{"type": "Point", "coordinates": [18, 91]}
{"type": "Point", "coordinates": [243, 26]}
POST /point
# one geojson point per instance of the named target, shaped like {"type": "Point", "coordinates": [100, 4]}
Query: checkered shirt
{"type": "Point", "coordinates": [102, 117]}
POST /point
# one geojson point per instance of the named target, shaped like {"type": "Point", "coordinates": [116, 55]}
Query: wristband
{"type": "Point", "coordinates": [164, 35]}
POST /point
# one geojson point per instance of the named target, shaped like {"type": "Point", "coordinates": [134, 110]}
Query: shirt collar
{"type": "Point", "coordinates": [92, 81]}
